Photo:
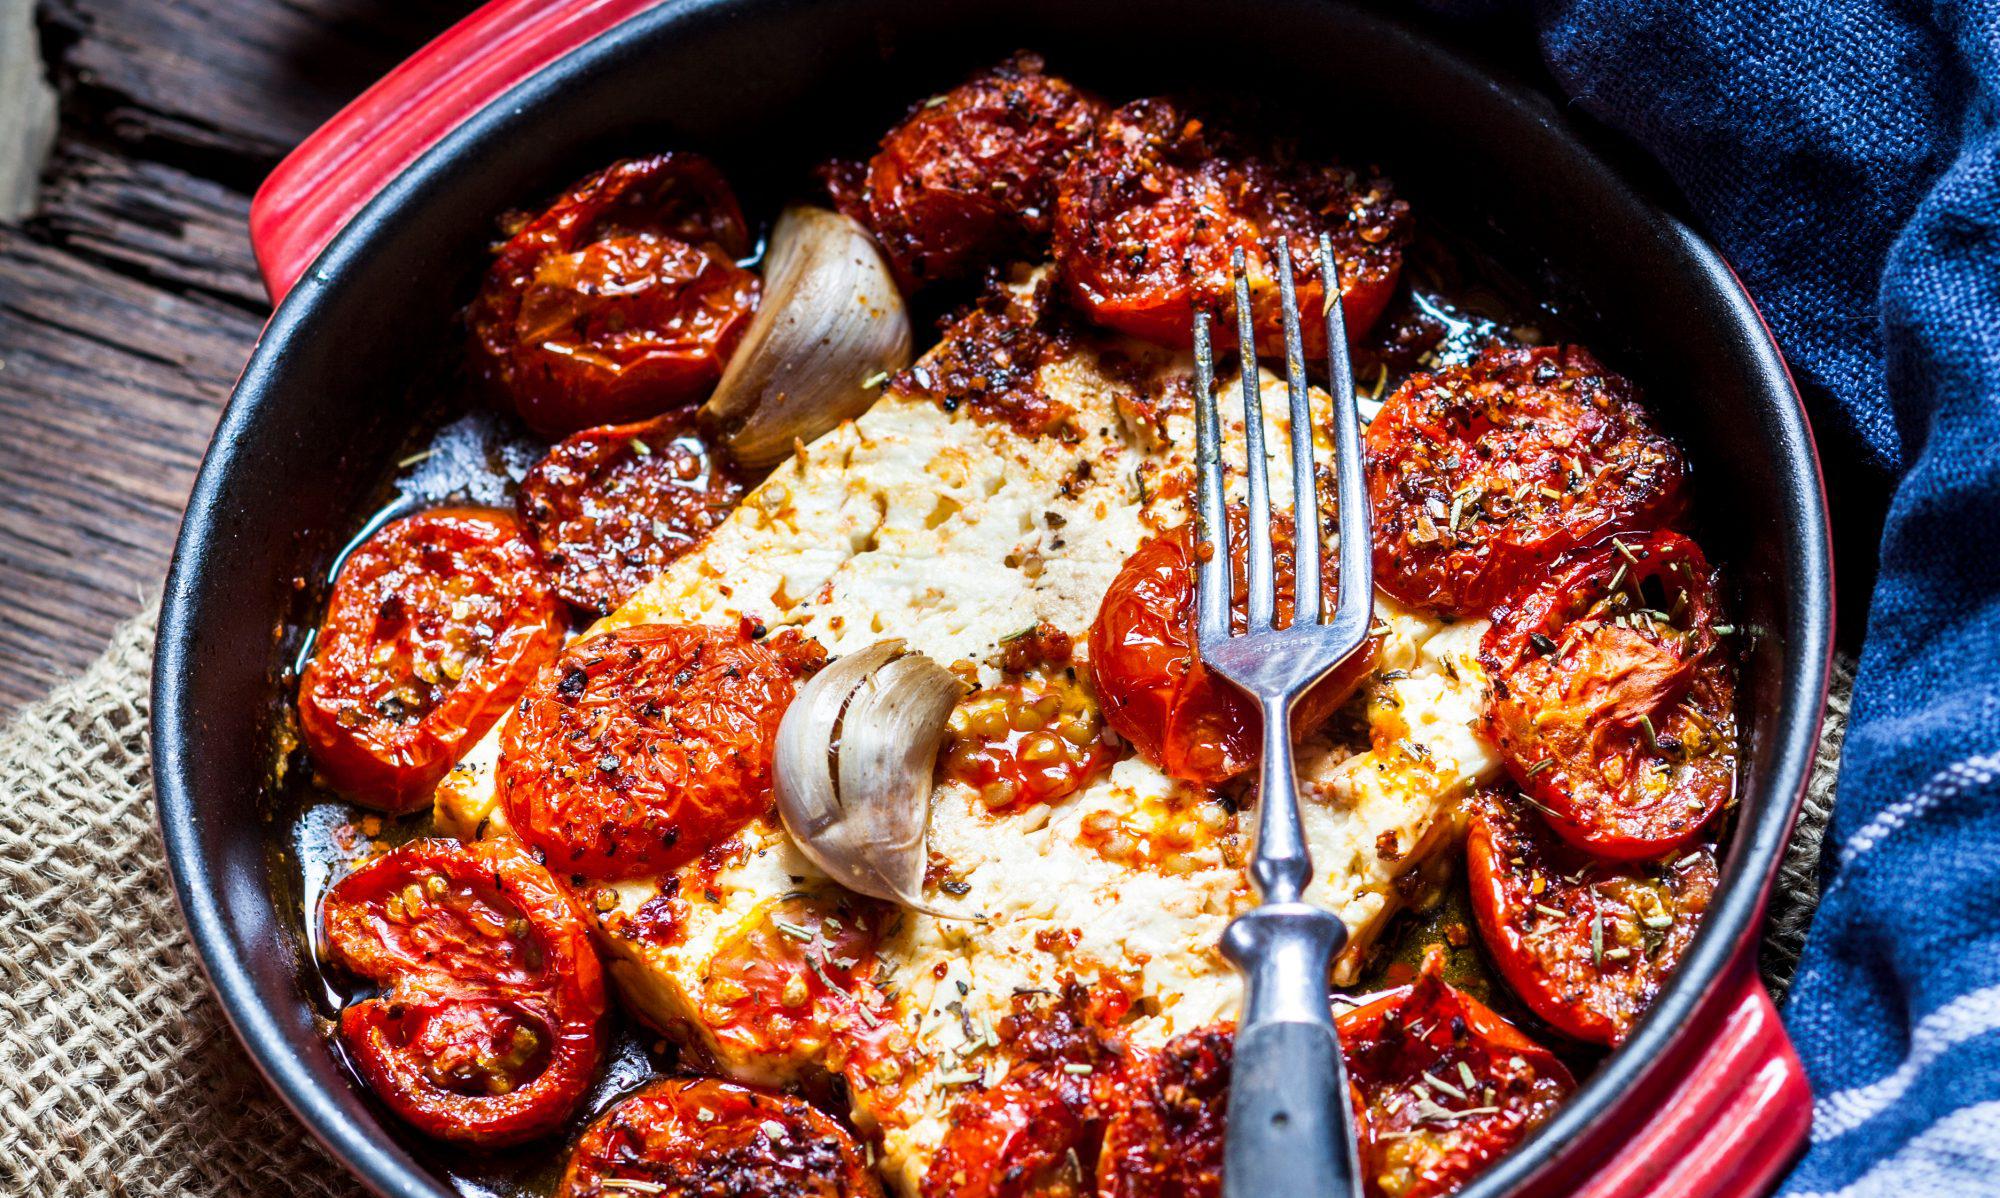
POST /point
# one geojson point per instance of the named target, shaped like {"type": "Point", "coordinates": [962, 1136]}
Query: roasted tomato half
{"type": "Point", "coordinates": [1585, 943]}
{"type": "Point", "coordinates": [1148, 224]}
{"type": "Point", "coordinates": [1164, 1139]}
{"type": "Point", "coordinates": [1156, 694]}
{"type": "Point", "coordinates": [488, 1028]}
{"type": "Point", "coordinates": [1482, 475]}
{"type": "Point", "coordinates": [1035, 1132]}
{"type": "Point", "coordinates": [969, 177]}
{"type": "Point", "coordinates": [703, 1138]}
{"type": "Point", "coordinates": [621, 300]}
{"type": "Point", "coordinates": [435, 624]}
{"type": "Point", "coordinates": [1613, 701]}
{"type": "Point", "coordinates": [640, 748]}
{"type": "Point", "coordinates": [1442, 1086]}
{"type": "Point", "coordinates": [797, 973]}
{"type": "Point", "coordinates": [610, 507]}
{"type": "Point", "coordinates": [1030, 1136]}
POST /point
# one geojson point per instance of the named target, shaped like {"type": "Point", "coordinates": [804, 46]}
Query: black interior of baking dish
{"type": "Point", "coordinates": [767, 87]}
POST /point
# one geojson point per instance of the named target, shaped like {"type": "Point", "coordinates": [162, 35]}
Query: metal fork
{"type": "Point", "coordinates": [1290, 1121]}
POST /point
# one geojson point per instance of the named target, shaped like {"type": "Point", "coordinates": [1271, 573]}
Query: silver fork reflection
{"type": "Point", "coordinates": [1290, 1121]}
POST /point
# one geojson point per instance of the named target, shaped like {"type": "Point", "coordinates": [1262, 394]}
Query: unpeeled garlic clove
{"type": "Point", "coordinates": [830, 327]}
{"type": "Point", "coordinates": [853, 765]}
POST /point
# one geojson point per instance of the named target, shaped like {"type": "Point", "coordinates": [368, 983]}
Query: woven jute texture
{"type": "Point", "coordinates": [1796, 894]}
{"type": "Point", "coordinates": [117, 1073]}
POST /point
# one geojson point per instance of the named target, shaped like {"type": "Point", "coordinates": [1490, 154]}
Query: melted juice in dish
{"type": "Point", "coordinates": [1454, 299]}
{"type": "Point", "coordinates": [475, 458]}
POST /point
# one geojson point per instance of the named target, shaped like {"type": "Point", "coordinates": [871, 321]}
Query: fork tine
{"type": "Point", "coordinates": [1257, 555]}
{"type": "Point", "coordinates": [1211, 514]}
{"type": "Point", "coordinates": [1305, 488]}
{"type": "Point", "coordinates": [1354, 610]}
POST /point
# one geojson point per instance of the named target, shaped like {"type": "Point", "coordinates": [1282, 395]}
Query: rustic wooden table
{"type": "Point", "coordinates": [129, 299]}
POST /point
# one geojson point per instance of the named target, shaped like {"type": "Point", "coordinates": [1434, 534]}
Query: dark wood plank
{"type": "Point", "coordinates": [109, 391]}
{"type": "Point", "coordinates": [232, 84]}
{"type": "Point", "coordinates": [176, 231]}
{"type": "Point", "coordinates": [129, 300]}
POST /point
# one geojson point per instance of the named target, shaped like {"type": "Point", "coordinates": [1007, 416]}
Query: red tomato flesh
{"type": "Point", "coordinates": [611, 507]}
{"type": "Point", "coordinates": [1035, 1133]}
{"type": "Point", "coordinates": [969, 177]}
{"type": "Point", "coordinates": [489, 1029]}
{"type": "Point", "coordinates": [1164, 1139]}
{"type": "Point", "coordinates": [703, 1138]}
{"type": "Point", "coordinates": [1148, 224]}
{"type": "Point", "coordinates": [1482, 475]}
{"type": "Point", "coordinates": [435, 625]}
{"type": "Point", "coordinates": [1025, 1137]}
{"type": "Point", "coordinates": [800, 974]}
{"type": "Point", "coordinates": [641, 748]}
{"type": "Point", "coordinates": [1156, 694]}
{"type": "Point", "coordinates": [621, 300]}
{"type": "Point", "coordinates": [1442, 1086]}
{"type": "Point", "coordinates": [1613, 701]}
{"type": "Point", "coordinates": [1404, 1053]}
{"type": "Point", "coordinates": [1586, 944]}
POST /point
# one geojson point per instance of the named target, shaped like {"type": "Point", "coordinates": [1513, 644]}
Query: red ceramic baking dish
{"type": "Point", "coordinates": [370, 236]}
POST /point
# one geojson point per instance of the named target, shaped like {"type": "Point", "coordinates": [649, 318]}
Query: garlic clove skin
{"type": "Point", "coordinates": [831, 321]}
{"type": "Point", "coordinates": [802, 761]}
{"type": "Point", "coordinates": [853, 765]}
{"type": "Point", "coordinates": [889, 742]}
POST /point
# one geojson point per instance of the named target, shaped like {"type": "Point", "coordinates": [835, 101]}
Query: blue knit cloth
{"type": "Point", "coordinates": [1846, 158]}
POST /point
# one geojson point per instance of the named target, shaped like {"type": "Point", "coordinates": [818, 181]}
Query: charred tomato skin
{"type": "Point", "coordinates": [990, 360]}
{"type": "Point", "coordinates": [1431, 1027]}
{"type": "Point", "coordinates": [490, 1026]}
{"type": "Point", "coordinates": [620, 300]}
{"type": "Point", "coordinates": [1482, 475]}
{"type": "Point", "coordinates": [1586, 944]}
{"type": "Point", "coordinates": [1164, 1138]}
{"type": "Point", "coordinates": [1016, 1141]}
{"type": "Point", "coordinates": [435, 624]}
{"type": "Point", "coordinates": [969, 178]}
{"type": "Point", "coordinates": [642, 747]}
{"type": "Point", "coordinates": [1035, 1133]}
{"type": "Point", "coordinates": [1151, 684]}
{"type": "Point", "coordinates": [610, 507]}
{"type": "Point", "coordinates": [1148, 223]}
{"type": "Point", "coordinates": [706, 1138]}
{"type": "Point", "coordinates": [1614, 702]}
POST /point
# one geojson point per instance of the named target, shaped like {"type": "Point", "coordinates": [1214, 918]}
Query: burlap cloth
{"type": "Point", "coordinates": [117, 1073]}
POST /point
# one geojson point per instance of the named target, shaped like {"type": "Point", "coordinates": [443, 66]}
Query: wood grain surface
{"type": "Point", "coordinates": [129, 298]}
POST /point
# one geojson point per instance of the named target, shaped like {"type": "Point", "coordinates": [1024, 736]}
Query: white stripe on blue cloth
{"type": "Point", "coordinates": [1956, 1157]}
{"type": "Point", "coordinates": [1947, 783]}
{"type": "Point", "coordinates": [1963, 1018]}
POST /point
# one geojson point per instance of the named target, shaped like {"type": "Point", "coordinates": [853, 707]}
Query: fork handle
{"type": "Point", "coordinates": [1290, 1121]}
{"type": "Point", "coordinates": [1291, 1125]}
